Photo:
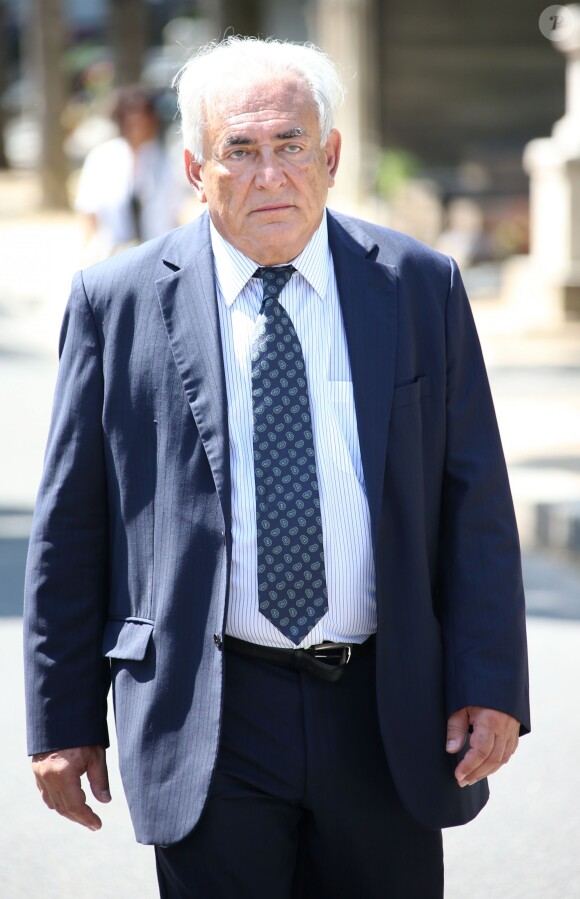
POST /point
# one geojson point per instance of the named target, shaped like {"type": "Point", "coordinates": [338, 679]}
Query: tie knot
{"type": "Point", "coordinates": [274, 278]}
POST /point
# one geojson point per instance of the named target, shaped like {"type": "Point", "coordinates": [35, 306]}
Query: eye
{"type": "Point", "coordinates": [238, 154]}
{"type": "Point", "coordinates": [292, 148]}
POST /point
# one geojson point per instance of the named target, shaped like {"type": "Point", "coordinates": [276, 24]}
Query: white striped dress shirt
{"type": "Point", "coordinates": [312, 302]}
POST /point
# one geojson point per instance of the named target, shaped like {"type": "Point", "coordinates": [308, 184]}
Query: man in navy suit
{"type": "Point", "coordinates": [275, 514]}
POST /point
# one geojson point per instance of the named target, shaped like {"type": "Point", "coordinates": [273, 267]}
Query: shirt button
{"type": "Point", "coordinates": [218, 641]}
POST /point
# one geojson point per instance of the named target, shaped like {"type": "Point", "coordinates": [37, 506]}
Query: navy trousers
{"type": "Point", "coordinates": [302, 804]}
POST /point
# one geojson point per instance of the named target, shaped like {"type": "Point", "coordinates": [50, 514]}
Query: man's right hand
{"type": "Point", "coordinates": [58, 777]}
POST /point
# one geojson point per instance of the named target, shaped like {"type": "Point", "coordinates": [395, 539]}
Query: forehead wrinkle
{"type": "Point", "coordinates": [241, 118]}
{"type": "Point", "coordinates": [230, 106]}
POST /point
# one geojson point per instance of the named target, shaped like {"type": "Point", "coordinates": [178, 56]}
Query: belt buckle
{"type": "Point", "coordinates": [320, 650]}
{"type": "Point", "coordinates": [325, 660]}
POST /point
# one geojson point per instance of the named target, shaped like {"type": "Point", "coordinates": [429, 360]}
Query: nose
{"type": "Point", "coordinates": [270, 172]}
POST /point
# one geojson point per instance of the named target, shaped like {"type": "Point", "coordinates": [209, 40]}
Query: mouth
{"type": "Point", "coordinates": [274, 207]}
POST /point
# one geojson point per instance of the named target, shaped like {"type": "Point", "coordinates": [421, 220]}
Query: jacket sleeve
{"type": "Point", "coordinates": [481, 600]}
{"type": "Point", "coordinates": [66, 585]}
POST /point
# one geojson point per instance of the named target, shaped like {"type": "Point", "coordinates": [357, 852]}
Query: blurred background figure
{"type": "Point", "coordinates": [130, 188]}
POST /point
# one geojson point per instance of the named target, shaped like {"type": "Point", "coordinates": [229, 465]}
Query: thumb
{"type": "Point", "coordinates": [98, 777]}
{"type": "Point", "coordinates": [457, 725]}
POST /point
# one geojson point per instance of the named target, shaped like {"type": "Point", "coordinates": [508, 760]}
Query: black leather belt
{"type": "Point", "coordinates": [325, 660]}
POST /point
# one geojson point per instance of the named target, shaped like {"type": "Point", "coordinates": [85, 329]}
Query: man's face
{"type": "Point", "coordinates": [266, 176]}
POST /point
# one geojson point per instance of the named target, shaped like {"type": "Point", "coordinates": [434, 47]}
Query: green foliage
{"type": "Point", "coordinates": [395, 168]}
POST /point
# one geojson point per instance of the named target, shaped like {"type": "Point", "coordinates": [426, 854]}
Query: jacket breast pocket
{"type": "Point", "coordinates": [408, 394]}
{"type": "Point", "coordinates": [127, 638]}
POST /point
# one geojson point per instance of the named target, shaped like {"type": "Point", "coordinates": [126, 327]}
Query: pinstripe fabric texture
{"type": "Point", "coordinates": [130, 551]}
{"type": "Point", "coordinates": [312, 301]}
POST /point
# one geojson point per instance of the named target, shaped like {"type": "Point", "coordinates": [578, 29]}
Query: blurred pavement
{"type": "Point", "coordinates": [535, 378]}
{"type": "Point", "coordinates": [525, 843]}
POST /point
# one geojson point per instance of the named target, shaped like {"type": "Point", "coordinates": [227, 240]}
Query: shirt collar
{"type": "Point", "coordinates": [233, 269]}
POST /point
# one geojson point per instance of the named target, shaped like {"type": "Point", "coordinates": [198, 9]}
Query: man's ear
{"type": "Point", "coordinates": [332, 150]}
{"type": "Point", "coordinates": [194, 175]}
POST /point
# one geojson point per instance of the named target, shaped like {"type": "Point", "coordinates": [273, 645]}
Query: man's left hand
{"type": "Point", "coordinates": [492, 743]}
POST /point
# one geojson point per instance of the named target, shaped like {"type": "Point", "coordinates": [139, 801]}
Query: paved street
{"type": "Point", "coordinates": [526, 843]}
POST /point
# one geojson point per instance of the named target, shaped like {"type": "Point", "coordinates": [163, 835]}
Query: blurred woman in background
{"type": "Point", "coordinates": [130, 189]}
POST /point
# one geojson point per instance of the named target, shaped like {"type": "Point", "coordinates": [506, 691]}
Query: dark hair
{"type": "Point", "coordinates": [132, 98]}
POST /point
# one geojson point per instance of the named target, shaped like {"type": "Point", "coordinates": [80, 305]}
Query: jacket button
{"type": "Point", "coordinates": [218, 641]}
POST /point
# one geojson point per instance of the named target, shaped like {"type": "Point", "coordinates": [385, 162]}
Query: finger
{"type": "Point", "coordinates": [493, 741]}
{"type": "Point", "coordinates": [99, 779]}
{"type": "Point", "coordinates": [60, 788]}
{"type": "Point", "coordinates": [489, 750]}
{"type": "Point", "coordinates": [472, 772]}
{"type": "Point", "coordinates": [484, 748]}
{"type": "Point", "coordinates": [46, 798]}
{"type": "Point", "coordinates": [457, 725]}
{"type": "Point", "coordinates": [476, 765]}
{"type": "Point", "coordinates": [71, 803]}
{"type": "Point", "coordinates": [510, 748]}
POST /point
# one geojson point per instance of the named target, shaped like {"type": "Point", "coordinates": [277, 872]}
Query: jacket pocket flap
{"type": "Point", "coordinates": [407, 394]}
{"type": "Point", "coordinates": [127, 639]}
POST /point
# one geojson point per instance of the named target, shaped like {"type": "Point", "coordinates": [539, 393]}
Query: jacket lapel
{"type": "Point", "coordinates": [368, 293]}
{"type": "Point", "coordinates": [368, 297]}
{"type": "Point", "coordinates": [188, 302]}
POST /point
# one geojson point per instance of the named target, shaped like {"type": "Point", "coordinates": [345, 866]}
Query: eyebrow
{"type": "Point", "coordinates": [233, 141]}
{"type": "Point", "coordinates": [295, 132]}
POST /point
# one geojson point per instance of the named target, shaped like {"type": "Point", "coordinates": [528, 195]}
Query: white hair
{"type": "Point", "coordinates": [216, 65]}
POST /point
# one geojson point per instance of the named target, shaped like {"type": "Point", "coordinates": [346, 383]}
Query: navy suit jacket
{"type": "Point", "coordinates": [130, 551]}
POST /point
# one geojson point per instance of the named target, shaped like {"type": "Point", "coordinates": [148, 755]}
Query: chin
{"type": "Point", "coordinates": [275, 235]}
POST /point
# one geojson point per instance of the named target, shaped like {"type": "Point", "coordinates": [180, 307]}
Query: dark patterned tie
{"type": "Point", "coordinates": [291, 577]}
